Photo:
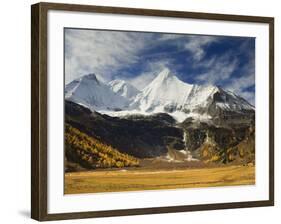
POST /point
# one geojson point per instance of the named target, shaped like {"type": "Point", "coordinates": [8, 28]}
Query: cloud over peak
{"type": "Point", "coordinates": [137, 57]}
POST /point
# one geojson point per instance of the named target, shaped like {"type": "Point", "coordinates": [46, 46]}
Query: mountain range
{"type": "Point", "coordinates": [165, 94]}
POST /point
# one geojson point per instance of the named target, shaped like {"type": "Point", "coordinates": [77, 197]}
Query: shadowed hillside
{"type": "Point", "coordinates": [139, 136]}
{"type": "Point", "coordinates": [83, 151]}
{"type": "Point", "coordinates": [151, 136]}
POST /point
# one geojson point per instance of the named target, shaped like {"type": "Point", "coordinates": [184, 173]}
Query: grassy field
{"type": "Point", "coordinates": [137, 180]}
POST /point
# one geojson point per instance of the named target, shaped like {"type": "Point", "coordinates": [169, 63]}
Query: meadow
{"type": "Point", "coordinates": [138, 179]}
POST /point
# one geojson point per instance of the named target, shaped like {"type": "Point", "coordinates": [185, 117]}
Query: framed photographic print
{"type": "Point", "coordinates": [138, 111]}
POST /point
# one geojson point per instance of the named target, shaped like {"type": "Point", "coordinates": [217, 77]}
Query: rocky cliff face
{"type": "Point", "coordinates": [220, 140]}
{"type": "Point", "coordinates": [221, 143]}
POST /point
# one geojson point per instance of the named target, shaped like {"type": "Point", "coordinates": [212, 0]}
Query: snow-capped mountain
{"type": "Point", "coordinates": [96, 95]}
{"type": "Point", "coordinates": [165, 94]}
{"type": "Point", "coordinates": [166, 90]}
{"type": "Point", "coordinates": [123, 88]}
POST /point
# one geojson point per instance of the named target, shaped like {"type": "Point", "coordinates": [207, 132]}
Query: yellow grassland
{"type": "Point", "coordinates": [138, 180]}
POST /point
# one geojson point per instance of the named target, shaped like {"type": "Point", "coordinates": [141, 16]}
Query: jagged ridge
{"type": "Point", "coordinates": [165, 94]}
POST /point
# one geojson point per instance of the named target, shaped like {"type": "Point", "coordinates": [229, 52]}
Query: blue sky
{"type": "Point", "coordinates": [138, 57]}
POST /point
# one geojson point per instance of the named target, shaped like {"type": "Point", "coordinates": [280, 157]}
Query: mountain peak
{"type": "Point", "coordinates": [165, 73]}
{"type": "Point", "coordinates": [91, 76]}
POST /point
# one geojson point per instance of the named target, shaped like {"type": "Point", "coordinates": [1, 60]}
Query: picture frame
{"type": "Point", "coordinates": [40, 110]}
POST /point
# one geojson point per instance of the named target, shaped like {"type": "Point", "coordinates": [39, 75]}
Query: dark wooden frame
{"type": "Point", "coordinates": [39, 110]}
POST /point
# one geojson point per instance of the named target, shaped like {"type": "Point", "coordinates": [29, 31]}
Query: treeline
{"type": "Point", "coordinates": [90, 153]}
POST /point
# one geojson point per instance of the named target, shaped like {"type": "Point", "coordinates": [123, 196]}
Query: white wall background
{"type": "Point", "coordinates": [15, 111]}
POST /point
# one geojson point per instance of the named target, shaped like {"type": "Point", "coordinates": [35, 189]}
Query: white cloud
{"type": "Point", "coordinates": [168, 36]}
{"type": "Point", "coordinates": [196, 45]}
{"type": "Point", "coordinates": [106, 52]}
{"type": "Point", "coordinates": [101, 52]}
{"type": "Point", "coordinates": [239, 86]}
{"type": "Point", "coordinates": [219, 69]}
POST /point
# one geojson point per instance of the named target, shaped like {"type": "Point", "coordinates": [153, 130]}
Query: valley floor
{"type": "Point", "coordinates": [146, 179]}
